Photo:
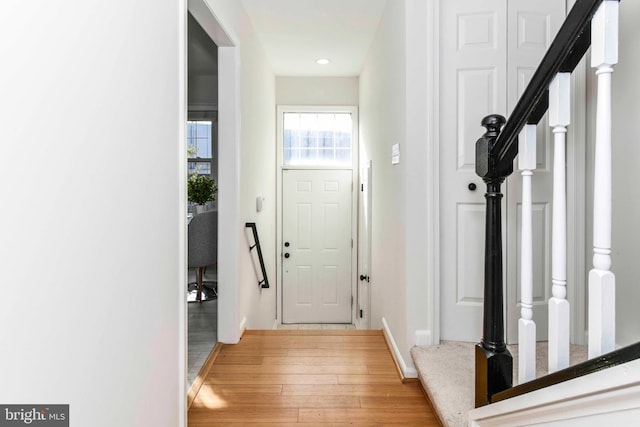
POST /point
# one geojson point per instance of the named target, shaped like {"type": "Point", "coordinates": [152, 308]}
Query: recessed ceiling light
{"type": "Point", "coordinates": [322, 61]}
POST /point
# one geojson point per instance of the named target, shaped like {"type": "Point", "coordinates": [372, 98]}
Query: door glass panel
{"type": "Point", "coordinates": [317, 139]}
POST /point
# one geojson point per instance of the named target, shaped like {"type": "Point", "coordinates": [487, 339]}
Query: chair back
{"type": "Point", "coordinates": [203, 239]}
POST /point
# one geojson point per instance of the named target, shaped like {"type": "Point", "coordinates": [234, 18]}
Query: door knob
{"type": "Point", "coordinates": [472, 186]}
{"type": "Point", "coordinates": [363, 277]}
{"type": "Point", "coordinates": [286, 244]}
{"type": "Point", "coordinates": [286, 255]}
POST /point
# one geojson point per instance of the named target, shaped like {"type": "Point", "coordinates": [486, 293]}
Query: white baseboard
{"type": "Point", "coordinates": [243, 325]}
{"type": "Point", "coordinates": [423, 338]}
{"type": "Point", "coordinates": [407, 371]}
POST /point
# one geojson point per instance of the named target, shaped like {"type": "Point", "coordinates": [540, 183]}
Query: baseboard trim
{"type": "Point", "coordinates": [407, 374]}
{"type": "Point", "coordinates": [243, 326]}
{"type": "Point", "coordinates": [204, 371]}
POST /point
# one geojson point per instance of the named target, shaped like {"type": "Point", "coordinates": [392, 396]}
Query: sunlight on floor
{"type": "Point", "coordinates": [210, 399]}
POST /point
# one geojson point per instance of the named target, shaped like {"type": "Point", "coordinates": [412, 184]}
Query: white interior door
{"type": "Point", "coordinates": [532, 27]}
{"type": "Point", "coordinates": [317, 246]}
{"type": "Point", "coordinates": [363, 297]}
{"type": "Point", "coordinates": [473, 72]}
{"type": "Point", "coordinates": [486, 61]}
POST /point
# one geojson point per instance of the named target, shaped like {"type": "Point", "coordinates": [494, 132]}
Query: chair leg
{"type": "Point", "coordinates": [199, 297]}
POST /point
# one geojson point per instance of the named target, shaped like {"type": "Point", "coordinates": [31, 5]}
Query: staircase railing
{"type": "Point", "coordinates": [590, 23]}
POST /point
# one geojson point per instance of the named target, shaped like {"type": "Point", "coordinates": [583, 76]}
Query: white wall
{"type": "Point", "coordinates": [92, 253]}
{"type": "Point", "coordinates": [396, 99]}
{"type": "Point", "coordinates": [317, 90]}
{"type": "Point", "coordinates": [258, 178]}
{"type": "Point", "coordinates": [256, 307]}
{"type": "Point", "coordinates": [382, 124]}
{"type": "Point", "coordinates": [626, 156]}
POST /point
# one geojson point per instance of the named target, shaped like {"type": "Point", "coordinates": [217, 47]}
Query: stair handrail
{"type": "Point", "coordinates": [264, 283]}
{"type": "Point", "coordinates": [617, 357]}
{"type": "Point", "coordinates": [496, 151]}
{"type": "Point", "coordinates": [565, 52]}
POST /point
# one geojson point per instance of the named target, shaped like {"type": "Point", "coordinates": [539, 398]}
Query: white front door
{"type": "Point", "coordinates": [317, 246]}
{"type": "Point", "coordinates": [489, 55]}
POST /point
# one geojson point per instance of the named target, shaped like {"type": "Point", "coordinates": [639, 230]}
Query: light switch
{"type": "Point", "coordinates": [395, 154]}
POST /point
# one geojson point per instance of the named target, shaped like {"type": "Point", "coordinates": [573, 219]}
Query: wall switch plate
{"type": "Point", "coordinates": [395, 154]}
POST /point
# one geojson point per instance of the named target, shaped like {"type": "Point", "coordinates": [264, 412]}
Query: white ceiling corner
{"type": "Point", "coordinates": [295, 33]}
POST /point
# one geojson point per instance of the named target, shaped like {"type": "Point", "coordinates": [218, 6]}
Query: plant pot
{"type": "Point", "coordinates": [198, 209]}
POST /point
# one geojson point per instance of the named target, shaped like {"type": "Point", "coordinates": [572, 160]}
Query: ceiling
{"type": "Point", "coordinates": [295, 33]}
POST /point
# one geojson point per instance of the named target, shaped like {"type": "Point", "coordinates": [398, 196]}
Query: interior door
{"type": "Point", "coordinates": [473, 72]}
{"type": "Point", "coordinates": [363, 297]}
{"type": "Point", "coordinates": [532, 27]}
{"type": "Point", "coordinates": [486, 62]}
{"type": "Point", "coordinates": [317, 246]}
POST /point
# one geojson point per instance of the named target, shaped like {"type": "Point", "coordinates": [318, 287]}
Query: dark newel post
{"type": "Point", "coordinates": [494, 363]}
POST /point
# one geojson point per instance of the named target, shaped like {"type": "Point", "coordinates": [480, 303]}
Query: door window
{"type": "Point", "coordinates": [317, 139]}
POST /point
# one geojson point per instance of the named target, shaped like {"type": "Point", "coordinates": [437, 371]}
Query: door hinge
{"type": "Point", "coordinates": [352, 243]}
{"type": "Point", "coordinates": [361, 187]}
{"type": "Point", "coordinates": [361, 316]}
{"type": "Point", "coordinates": [351, 301]}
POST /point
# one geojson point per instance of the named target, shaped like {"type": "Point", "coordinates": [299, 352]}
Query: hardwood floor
{"type": "Point", "coordinates": [308, 377]}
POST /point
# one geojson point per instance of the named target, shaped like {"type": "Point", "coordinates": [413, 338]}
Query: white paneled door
{"type": "Point", "coordinates": [532, 27]}
{"type": "Point", "coordinates": [317, 246]}
{"type": "Point", "coordinates": [487, 57]}
{"type": "Point", "coordinates": [473, 74]}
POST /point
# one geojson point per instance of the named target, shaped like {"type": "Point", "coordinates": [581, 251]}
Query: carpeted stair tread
{"type": "Point", "coordinates": [447, 373]}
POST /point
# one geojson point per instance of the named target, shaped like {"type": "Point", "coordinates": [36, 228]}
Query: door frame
{"type": "Point", "coordinates": [280, 110]}
{"type": "Point", "coordinates": [229, 223]}
{"type": "Point", "coordinates": [364, 245]}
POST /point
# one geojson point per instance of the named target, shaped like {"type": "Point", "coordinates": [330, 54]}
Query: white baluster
{"type": "Point", "coordinates": [559, 115]}
{"type": "Point", "coordinates": [526, 325]}
{"type": "Point", "coordinates": [604, 54]}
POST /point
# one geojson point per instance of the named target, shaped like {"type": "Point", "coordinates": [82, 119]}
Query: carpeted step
{"type": "Point", "coordinates": [447, 373]}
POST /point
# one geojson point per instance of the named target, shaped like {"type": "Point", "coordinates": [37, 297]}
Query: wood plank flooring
{"type": "Point", "coordinates": [308, 377]}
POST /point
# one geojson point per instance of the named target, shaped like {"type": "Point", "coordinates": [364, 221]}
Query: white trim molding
{"type": "Point", "coordinates": [433, 178]}
{"type": "Point", "coordinates": [422, 338]}
{"type": "Point", "coordinates": [243, 325]}
{"type": "Point", "coordinates": [228, 194]}
{"type": "Point", "coordinates": [608, 396]}
{"type": "Point", "coordinates": [406, 371]}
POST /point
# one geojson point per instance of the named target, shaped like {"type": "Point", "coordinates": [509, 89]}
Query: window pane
{"type": "Point", "coordinates": [199, 138]}
{"type": "Point", "coordinates": [203, 168]}
{"type": "Point", "coordinates": [317, 139]}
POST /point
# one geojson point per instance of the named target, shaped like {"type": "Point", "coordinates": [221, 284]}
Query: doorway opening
{"type": "Point", "coordinates": [202, 155]}
{"type": "Point", "coordinates": [224, 166]}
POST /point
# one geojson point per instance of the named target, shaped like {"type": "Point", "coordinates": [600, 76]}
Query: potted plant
{"type": "Point", "coordinates": [200, 190]}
